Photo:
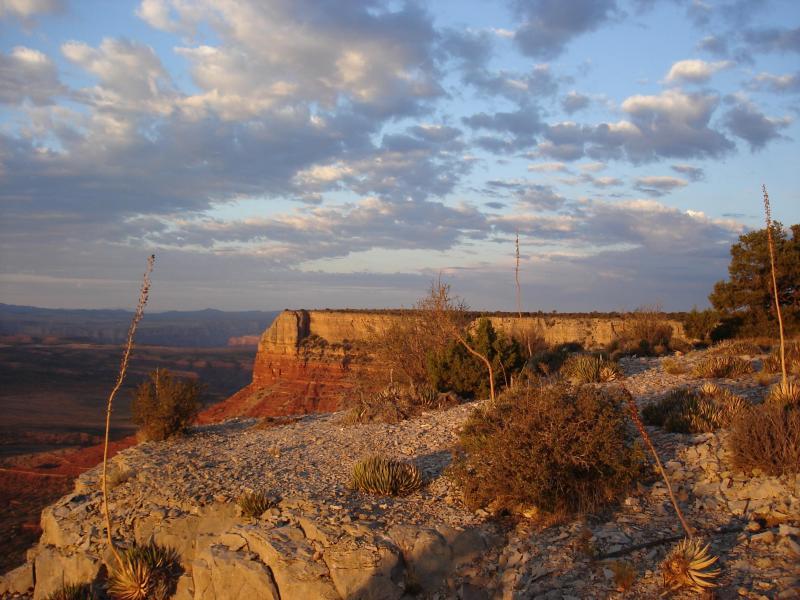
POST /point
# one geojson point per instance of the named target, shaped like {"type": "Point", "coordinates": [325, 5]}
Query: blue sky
{"type": "Point", "coordinates": [317, 153]}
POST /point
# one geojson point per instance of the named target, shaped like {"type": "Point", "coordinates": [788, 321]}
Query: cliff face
{"type": "Point", "coordinates": [305, 360]}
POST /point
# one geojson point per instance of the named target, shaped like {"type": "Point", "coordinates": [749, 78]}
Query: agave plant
{"type": "Point", "coordinates": [688, 564]}
{"type": "Point", "coordinates": [144, 573]}
{"type": "Point", "coordinates": [722, 366]}
{"type": "Point", "coordinates": [254, 504]}
{"type": "Point", "coordinates": [73, 591]}
{"type": "Point", "coordinates": [784, 393]}
{"type": "Point", "coordinates": [379, 475]}
{"type": "Point", "coordinates": [589, 368]}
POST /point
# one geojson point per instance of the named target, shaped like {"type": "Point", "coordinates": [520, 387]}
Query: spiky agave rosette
{"type": "Point", "coordinates": [384, 476]}
{"type": "Point", "coordinates": [688, 564]}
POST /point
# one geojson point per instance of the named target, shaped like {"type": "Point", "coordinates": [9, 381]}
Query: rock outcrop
{"type": "Point", "coordinates": [306, 359]}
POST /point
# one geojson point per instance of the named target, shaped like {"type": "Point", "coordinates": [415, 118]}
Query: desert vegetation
{"type": "Point", "coordinates": [165, 405]}
{"type": "Point", "coordinates": [554, 448]}
{"type": "Point", "coordinates": [385, 477]}
{"type": "Point", "coordinates": [694, 411]}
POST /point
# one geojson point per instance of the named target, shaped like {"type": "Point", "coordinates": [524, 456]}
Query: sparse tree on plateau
{"type": "Point", "coordinates": [746, 300]}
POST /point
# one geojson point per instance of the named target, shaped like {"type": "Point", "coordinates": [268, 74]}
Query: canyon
{"type": "Point", "coordinates": [308, 361]}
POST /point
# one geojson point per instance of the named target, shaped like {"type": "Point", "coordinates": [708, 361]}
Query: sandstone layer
{"type": "Point", "coordinates": [306, 360]}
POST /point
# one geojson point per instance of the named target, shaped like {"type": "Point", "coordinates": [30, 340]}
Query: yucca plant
{"type": "Point", "coordinates": [145, 572]}
{"type": "Point", "coordinates": [687, 565]}
{"type": "Point", "coordinates": [73, 591]}
{"type": "Point", "coordinates": [590, 368]}
{"type": "Point", "coordinates": [701, 411]}
{"type": "Point", "coordinates": [717, 367]}
{"type": "Point", "coordinates": [384, 476]}
{"type": "Point", "coordinates": [255, 504]}
{"type": "Point", "coordinates": [784, 393]}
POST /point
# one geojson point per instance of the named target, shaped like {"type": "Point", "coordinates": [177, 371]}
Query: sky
{"type": "Point", "coordinates": [334, 153]}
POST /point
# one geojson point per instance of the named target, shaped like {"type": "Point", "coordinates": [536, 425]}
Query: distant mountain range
{"type": "Point", "coordinates": [200, 328]}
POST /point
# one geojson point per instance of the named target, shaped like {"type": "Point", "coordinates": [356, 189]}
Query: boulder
{"type": "Point", "coordinates": [17, 581]}
{"type": "Point", "coordinates": [365, 569]}
{"type": "Point", "coordinates": [54, 568]}
{"type": "Point", "coordinates": [222, 574]}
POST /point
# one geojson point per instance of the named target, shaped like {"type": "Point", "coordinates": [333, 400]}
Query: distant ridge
{"type": "Point", "coordinates": [198, 328]}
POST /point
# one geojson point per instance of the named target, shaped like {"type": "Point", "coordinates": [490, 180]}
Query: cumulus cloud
{"type": "Point", "coordinates": [549, 25]}
{"type": "Point", "coordinates": [25, 9]}
{"type": "Point", "coordinates": [659, 185]}
{"type": "Point", "coordinates": [778, 84]}
{"type": "Point", "coordinates": [747, 122]}
{"type": "Point", "coordinates": [574, 101]}
{"type": "Point", "coordinates": [694, 70]}
{"type": "Point", "coordinates": [518, 128]}
{"type": "Point", "coordinates": [27, 74]}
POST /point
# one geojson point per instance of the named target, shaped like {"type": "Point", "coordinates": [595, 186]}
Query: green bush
{"type": "Point", "coordinates": [698, 324]}
{"type": "Point", "coordinates": [385, 477]}
{"type": "Point", "coordinates": [767, 437]}
{"type": "Point", "coordinates": [694, 411]}
{"type": "Point", "coordinates": [555, 448]}
{"type": "Point", "coordinates": [165, 405]}
{"type": "Point", "coordinates": [456, 370]}
{"type": "Point", "coordinates": [590, 368]}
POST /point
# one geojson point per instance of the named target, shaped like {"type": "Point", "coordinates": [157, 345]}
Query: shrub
{"type": "Point", "coordinates": [546, 361]}
{"type": "Point", "coordinates": [767, 437]}
{"type": "Point", "coordinates": [386, 477]}
{"type": "Point", "coordinates": [165, 405]}
{"type": "Point", "coordinates": [698, 324]}
{"type": "Point", "coordinates": [673, 367]}
{"type": "Point", "coordinates": [148, 571]}
{"type": "Point", "coordinates": [556, 448]}
{"type": "Point", "coordinates": [736, 348]}
{"type": "Point", "coordinates": [457, 370]}
{"type": "Point", "coordinates": [624, 575]}
{"type": "Point", "coordinates": [73, 591]}
{"type": "Point", "coordinates": [646, 333]}
{"type": "Point", "coordinates": [590, 368]}
{"type": "Point", "coordinates": [688, 411]}
{"type": "Point", "coordinates": [255, 504]}
{"type": "Point", "coordinates": [717, 367]}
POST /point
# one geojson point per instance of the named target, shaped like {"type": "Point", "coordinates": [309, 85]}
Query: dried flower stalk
{"type": "Point", "coordinates": [771, 244]}
{"type": "Point", "coordinates": [519, 295]}
{"type": "Point", "coordinates": [634, 412]}
{"type": "Point", "coordinates": [144, 294]}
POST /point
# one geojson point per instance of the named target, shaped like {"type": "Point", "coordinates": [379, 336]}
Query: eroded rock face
{"type": "Point", "coordinates": [293, 375]}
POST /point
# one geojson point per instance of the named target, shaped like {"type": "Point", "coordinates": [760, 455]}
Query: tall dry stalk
{"type": "Point", "coordinates": [771, 244]}
{"type": "Point", "coordinates": [634, 412]}
{"type": "Point", "coordinates": [525, 334]}
{"type": "Point", "coordinates": [144, 293]}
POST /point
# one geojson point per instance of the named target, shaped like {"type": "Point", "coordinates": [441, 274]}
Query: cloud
{"type": "Point", "coordinates": [25, 9]}
{"type": "Point", "coordinates": [716, 45]}
{"type": "Point", "coordinates": [548, 167]}
{"type": "Point", "coordinates": [695, 70]}
{"type": "Point", "coordinates": [519, 128]}
{"type": "Point", "coordinates": [659, 185]}
{"type": "Point", "coordinates": [778, 84]}
{"type": "Point", "coordinates": [27, 74]}
{"type": "Point", "coordinates": [529, 195]}
{"type": "Point", "coordinates": [747, 122]}
{"type": "Point", "coordinates": [574, 101]}
{"type": "Point", "coordinates": [549, 25]}
{"type": "Point", "coordinates": [693, 173]}
{"type": "Point", "coordinates": [378, 59]}
{"type": "Point", "coordinates": [775, 39]}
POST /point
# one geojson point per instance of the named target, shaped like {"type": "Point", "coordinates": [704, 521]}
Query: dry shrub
{"type": "Point", "coordinates": [694, 411]}
{"type": "Point", "coordinates": [554, 448]}
{"type": "Point", "coordinates": [767, 437]}
{"type": "Point", "coordinates": [646, 333]}
{"type": "Point", "coordinates": [547, 360]}
{"type": "Point", "coordinates": [590, 368]}
{"type": "Point", "coordinates": [403, 344]}
{"type": "Point", "coordinates": [165, 405]}
{"type": "Point", "coordinates": [397, 403]}
{"type": "Point", "coordinates": [673, 367]}
{"type": "Point", "coordinates": [722, 367]}
{"type": "Point", "coordinates": [737, 348]}
{"type": "Point", "coordinates": [624, 575]}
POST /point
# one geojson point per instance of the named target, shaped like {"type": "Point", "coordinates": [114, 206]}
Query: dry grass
{"type": "Point", "coordinates": [624, 575]}
{"type": "Point", "coordinates": [673, 366]}
{"type": "Point", "coordinates": [738, 348]}
{"type": "Point", "coordinates": [73, 591]}
{"type": "Point", "coordinates": [397, 403]}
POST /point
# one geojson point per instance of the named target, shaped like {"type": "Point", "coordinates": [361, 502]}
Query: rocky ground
{"type": "Point", "coordinates": [324, 540]}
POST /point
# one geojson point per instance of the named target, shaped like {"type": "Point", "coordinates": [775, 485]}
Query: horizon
{"type": "Point", "coordinates": [278, 153]}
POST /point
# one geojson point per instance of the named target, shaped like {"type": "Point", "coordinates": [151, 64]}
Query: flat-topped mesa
{"type": "Point", "coordinates": [303, 363]}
